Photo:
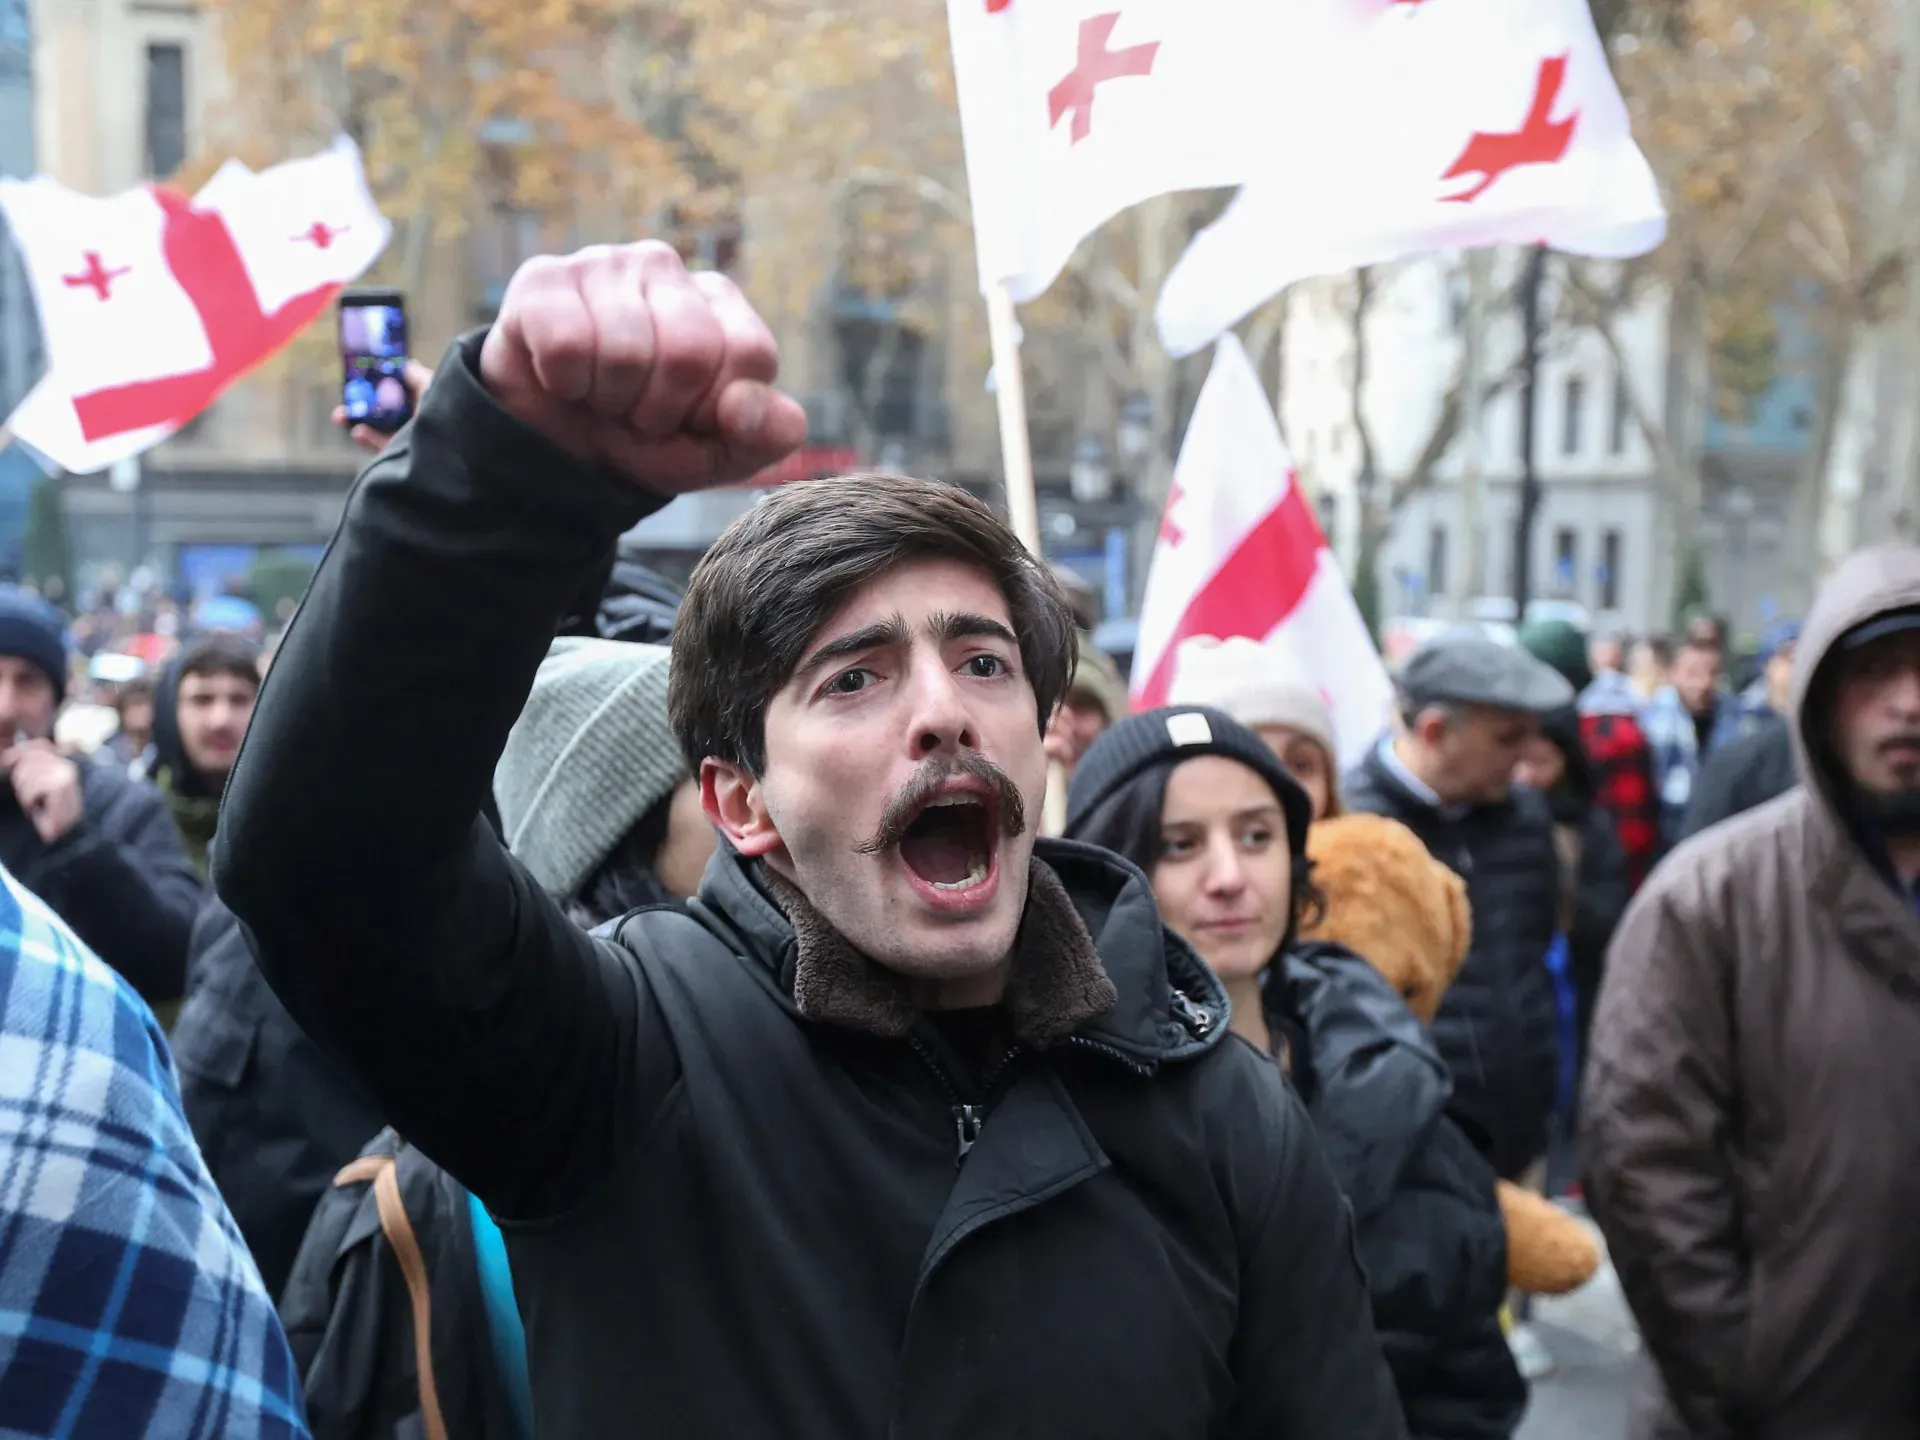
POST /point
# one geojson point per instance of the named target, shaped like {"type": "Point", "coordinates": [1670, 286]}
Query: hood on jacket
{"type": "Point", "coordinates": [167, 749]}
{"type": "Point", "coordinates": [1378, 1087]}
{"type": "Point", "coordinates": [1572, 798]}
{"type": "Point", "coordinates": [637, 603]}
{"type": "Point", "coordinates": [1868, 584]}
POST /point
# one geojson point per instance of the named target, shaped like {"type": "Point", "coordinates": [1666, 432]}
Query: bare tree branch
{"type": "Point", "coordinates": [1446, 429]}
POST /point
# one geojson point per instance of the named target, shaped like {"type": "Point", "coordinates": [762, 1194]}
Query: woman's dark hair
{"type": "Point", "coordinates": [1127, 822]}
{"type": "Point", "coordinates": [625, 880]}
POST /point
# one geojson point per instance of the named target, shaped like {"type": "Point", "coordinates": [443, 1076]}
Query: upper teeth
{"type": "Point", "coordinates": [943, 800]}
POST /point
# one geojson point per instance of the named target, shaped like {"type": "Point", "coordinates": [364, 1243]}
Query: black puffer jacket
{"type": "Point", "coordinates": [120, 877]}
{"type": "Point", "coordinates": [1496, 1027]}
{"type": "Point", "coordinates": [1431, 1234]}
{"type": "Point", "coordinates": [275, 1117]}
{"type": "Point", "coordinates": [727, 1216]}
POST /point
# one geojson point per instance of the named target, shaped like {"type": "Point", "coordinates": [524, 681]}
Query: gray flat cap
{"type": "Point", "coordinates": [1466, 667]}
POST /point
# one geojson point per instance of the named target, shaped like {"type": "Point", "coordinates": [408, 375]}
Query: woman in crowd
{"type": "Point", "coordinates": [1206, 810]}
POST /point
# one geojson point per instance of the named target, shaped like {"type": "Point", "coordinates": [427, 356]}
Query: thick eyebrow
{"type": "Point", "coordinates": [949, 626]}
{"type": "Point", "coordinates": [891, 631]}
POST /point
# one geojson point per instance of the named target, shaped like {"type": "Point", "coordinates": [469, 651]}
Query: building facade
{"type": "Point", "coordinates": [1451, 545]}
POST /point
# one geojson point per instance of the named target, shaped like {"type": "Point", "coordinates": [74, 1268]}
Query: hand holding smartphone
{"type": "Point", "coordinates": [373, 359]}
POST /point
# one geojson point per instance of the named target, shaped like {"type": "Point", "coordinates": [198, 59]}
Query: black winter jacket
{"type": "Point", "coordinates": [1496, 1027]}
{"type": "Point", "coordinates": [274, 1115]}
{"type": "Point", "coordinates": [1431, 1233]}
{"type": "Point", "coordinates": [119, 878]}
{"type": "Point", "coordinates": [725, 1217]}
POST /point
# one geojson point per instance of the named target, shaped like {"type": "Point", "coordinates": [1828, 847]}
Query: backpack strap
{"type": "Point", "coordinates": [380, 1169]}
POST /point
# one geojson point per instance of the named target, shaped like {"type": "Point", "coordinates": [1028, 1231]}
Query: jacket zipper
{"type": "Point", "coordinates": [1080, 1042]}
{"type": "Point", "coordinates": [968, 1120]}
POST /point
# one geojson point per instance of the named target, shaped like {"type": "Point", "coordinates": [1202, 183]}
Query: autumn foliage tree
{"type": "Point", "coordinates": [1771, 127]}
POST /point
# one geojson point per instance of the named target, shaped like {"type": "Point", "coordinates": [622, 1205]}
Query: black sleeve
{"type": "Point", "coordinates": [1605, 890]}
{"type": "Point", "coordinates": [493, 1035]}
{"type": "Point", "coordinates": [1307, 1361]}
{"type": "Point", "coordinates": [122, 881]}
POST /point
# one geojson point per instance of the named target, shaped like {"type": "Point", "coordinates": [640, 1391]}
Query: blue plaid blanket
{"type": "Point", "coordinates": [129, 1306]}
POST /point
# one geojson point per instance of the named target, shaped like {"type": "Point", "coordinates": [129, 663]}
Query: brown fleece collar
{"type": "Point", "coordinates": [1058, 983]}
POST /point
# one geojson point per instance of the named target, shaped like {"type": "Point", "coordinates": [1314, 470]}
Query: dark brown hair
{"type": "Point", "coordinates": [223, 654]}
{"type": "Point", "coordinates": [136, 691]}
{"type": "Point", "coordinates": [778, 573]}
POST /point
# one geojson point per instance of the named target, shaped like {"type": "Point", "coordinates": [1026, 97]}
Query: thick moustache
{"type": "Point", "coordinates": [967, 774]}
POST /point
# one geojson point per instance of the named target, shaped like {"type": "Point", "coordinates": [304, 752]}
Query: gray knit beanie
{"type": "Point", "coordinates": [590, 754]}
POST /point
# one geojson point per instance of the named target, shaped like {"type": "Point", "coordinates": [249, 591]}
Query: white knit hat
{"type": "Point", "coordinates": [589, 756]}
{"type": "Point", "coordinates": [1256, 683]}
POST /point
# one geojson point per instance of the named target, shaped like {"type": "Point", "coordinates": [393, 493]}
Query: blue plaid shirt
{"type": "Point", "coordinates": [129, 1306]}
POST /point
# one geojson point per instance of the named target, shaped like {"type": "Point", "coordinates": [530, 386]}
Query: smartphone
{"type": "Point", "coordinates": [373, 359]}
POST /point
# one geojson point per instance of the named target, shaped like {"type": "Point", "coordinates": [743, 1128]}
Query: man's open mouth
{"type": "Point", "coordinates": [949, 844]}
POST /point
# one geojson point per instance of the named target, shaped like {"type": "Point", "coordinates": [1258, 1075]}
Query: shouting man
{"type": "Point", "coordinates": [1749, 1120]}
{"type": "Point", "coordinates": [912, 1126]}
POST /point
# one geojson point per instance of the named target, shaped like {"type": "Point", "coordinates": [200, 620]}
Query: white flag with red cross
{"type": "Point", "coordinates": [1404, 128]}
{"type": "Point", "coordinates": [1241, 554]}
{"type": "Point", "coordinates": [1074, 110]}
{"type": "Point", "coordinates": [151, 304]}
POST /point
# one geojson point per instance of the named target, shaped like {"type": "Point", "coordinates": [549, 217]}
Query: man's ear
{"type": "Point", "coordinates": [732, 800]}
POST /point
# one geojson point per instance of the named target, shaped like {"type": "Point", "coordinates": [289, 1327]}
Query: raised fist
{"type": "Point", "coordinates": [623, 359]}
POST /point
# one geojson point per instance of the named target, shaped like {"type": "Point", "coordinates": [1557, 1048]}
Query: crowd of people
{"type": "Point", "coordinates": [584, 1008]}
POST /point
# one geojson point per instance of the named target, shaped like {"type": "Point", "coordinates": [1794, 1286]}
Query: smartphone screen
{"type": "Point", "coordinates": [373, 355]}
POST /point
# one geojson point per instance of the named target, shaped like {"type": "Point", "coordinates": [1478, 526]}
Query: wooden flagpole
{"type": "Point", "coordinates": [1023, 507]}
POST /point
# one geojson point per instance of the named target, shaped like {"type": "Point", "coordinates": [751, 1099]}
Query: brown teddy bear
{"type": "Point", "coordinates": [1392, 903]}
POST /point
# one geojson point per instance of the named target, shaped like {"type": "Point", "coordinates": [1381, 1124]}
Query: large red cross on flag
{"type": "Point", "coordinates": [1241, 554]}
{"type": "Point", "coordinates": [1404, 129]}
{"type": "Point", "coordinates": [152, 303]}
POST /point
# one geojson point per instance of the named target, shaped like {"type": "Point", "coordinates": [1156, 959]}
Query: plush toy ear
{"type": "Point", "coordinates": [1461, 913]}
{"type": "Point", "coordinates": [1548, 1251]}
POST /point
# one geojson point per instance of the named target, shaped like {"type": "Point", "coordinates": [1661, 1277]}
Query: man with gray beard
{"type": "Point", "coordinates": [1750, 1130]}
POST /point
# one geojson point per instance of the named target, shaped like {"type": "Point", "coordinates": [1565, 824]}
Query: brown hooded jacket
{"type": "Point", "coordinates": [1752, 1130]}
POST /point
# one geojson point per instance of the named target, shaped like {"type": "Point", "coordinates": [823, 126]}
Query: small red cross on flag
{"type": "Point", "coordinates": [1096, 64]}
{"type": "Point", "coordinates": [95, 276]}
{"type": "Point", "coordinates": [1074, 110]}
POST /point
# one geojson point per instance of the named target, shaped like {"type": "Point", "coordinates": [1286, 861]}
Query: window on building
{"type": "Point", "coordinates": [1621, 418]}
{"type": "Point", "coordinates": [1337, 443]}
{"type": "Point", "coordinates": [1573, 416]}
{"type": "Point", "coordinates": [1566, 559]}
{"type": "Point", "coordinates": [1610, 570]}
{"type": "Point", "coordinates": [166, 109]}
{"type": "Point", "coordinates": [1328, 514]}
{"type": "Point", "coordinates": [1437, 560]}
